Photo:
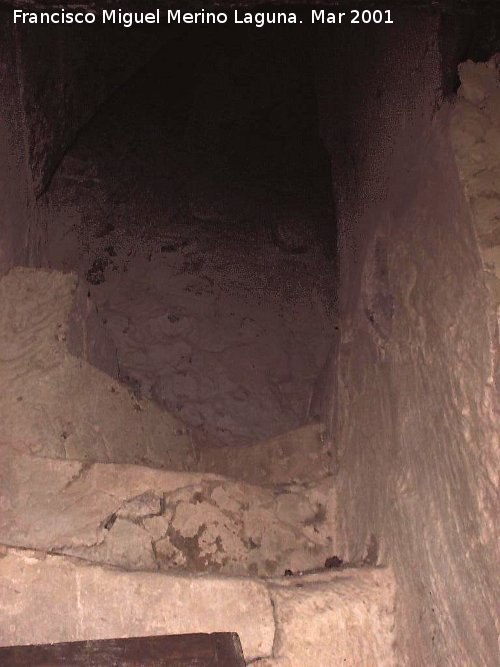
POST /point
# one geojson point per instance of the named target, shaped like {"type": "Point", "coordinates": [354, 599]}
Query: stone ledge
{"type": "Point", "coordinates": [54, 599]}
{"type": "Point", "coordinates": [140, 518]}
{"type": "Point", "coordinates": [299, 456]}
{"type": "Point", "coordinates": [322, 619]}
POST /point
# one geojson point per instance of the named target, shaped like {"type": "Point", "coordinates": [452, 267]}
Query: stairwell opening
{"type": "Point", "coordinates": [196, 207]}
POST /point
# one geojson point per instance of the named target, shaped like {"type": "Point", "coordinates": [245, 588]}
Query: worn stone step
{"type": "Point", "coordinates": [341, 618]}
{"type": "Point", "coordinates": [142, 518]}
{"type": "Point", "coordinates": [301, 455]}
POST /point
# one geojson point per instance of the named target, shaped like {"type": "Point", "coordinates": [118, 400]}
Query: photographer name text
{"type": "Point", "coordinates": [203, 17]}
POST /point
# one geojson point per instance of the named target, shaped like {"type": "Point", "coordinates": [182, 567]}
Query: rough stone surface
{"type": "Point", "coordinates": [90, 602]}
{"type": "Point", "coordinates": [321, 619]}
{"type": "Point", "coordinates": [45, 102]}
{"type": "Point", "coordinates": [53, 404]}
{"type": "Point", "coordinates": [417, 432]}
{"type": "Point", "coordinates": [16, 191]}
{"type": "Point", "coordinates": [476, 141]}
{"type": "Point", "coordinates": [347, 619]}
{"type": "Point", "coordinates": [475, 134]}
{"type": "Point", "coordinates": [62, 90]}
{"type": "Point", "coordinates": [209, 317]}
{"type": "Point", "coordinates": [302, 455]}
{"type": "Point", "coordinates": [236, 528]}
{"type": "Point", "coordinates": [140, 518]}
{"type": "Point", "coordinates": [234, 368]}
{"type": "Point", "coordinates": [415, 370]}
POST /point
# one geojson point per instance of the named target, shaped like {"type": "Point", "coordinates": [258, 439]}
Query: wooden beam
{"type": "Point", "coordinates": [221, 649]}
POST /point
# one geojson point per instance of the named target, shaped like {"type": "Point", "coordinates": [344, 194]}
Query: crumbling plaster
{"type": "Point", "coordinates": [139, 518]}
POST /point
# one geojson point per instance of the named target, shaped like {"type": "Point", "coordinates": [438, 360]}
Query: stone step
{"type": "Point", "coordinates": [56, 405]}
{"type": "Point", "coordinates": [299, 456]}
{"type": "Point", "coordinates": [59, 405]}
{"type": "Point", "coordinates": [137, 517]}
{"type": "Point", "coordinates": [341, 618]}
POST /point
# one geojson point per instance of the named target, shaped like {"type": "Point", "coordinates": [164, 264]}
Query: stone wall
{"type": "Point", "coordinates": [476, 141]}
{"type": "Point", "coordinates": [16, 194]}
{"type": "Point", "coordinates": [282, 622]}
{"type": "Point", "coordinates": [417, 449]}
{"type": "Point", "coordinates": [66, 73]}
{"type": "Point", "coordinates": [53, 80]}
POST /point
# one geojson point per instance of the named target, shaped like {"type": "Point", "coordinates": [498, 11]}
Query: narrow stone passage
{"type": "Point", "coordinates": [209, 278]}
{"type": "Point", "coordinates": [249, 332]}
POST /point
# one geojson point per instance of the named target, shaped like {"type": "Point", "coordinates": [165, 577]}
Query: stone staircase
{"type": "Point", "coordinates": [113, 525]}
